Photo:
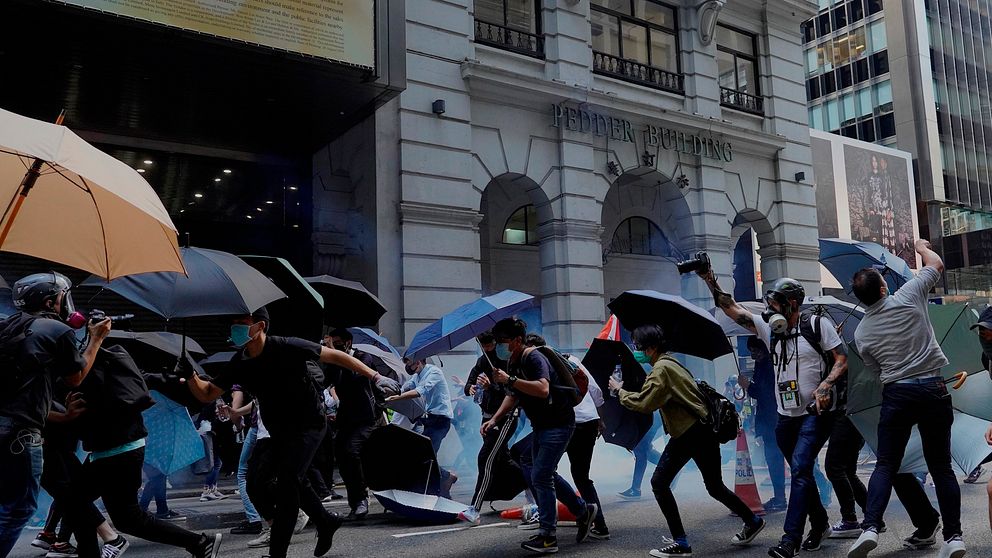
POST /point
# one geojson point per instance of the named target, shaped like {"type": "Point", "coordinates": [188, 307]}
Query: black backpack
{"type": "Point", "coordinates": [13, 331]}
{"type": "Point", "coordinates": [722, 414]}
{"type": "Point", "coordinates": [809, 329]}
{"type": "Point", "coordinates": [568, 383]}
{"type": "Point", "coordinates": [115, 383]}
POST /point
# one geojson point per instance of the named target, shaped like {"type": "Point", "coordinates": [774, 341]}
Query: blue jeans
{"type": "Point", "coordinates": [436, 427]}
{"type": "Point", "coordinates": [549, 444]}
{"type": "Point", "coordinates": [21, 462]}
{"type": "Point", "coordinates": [801, 439]}
{"type": "Point", "coordinates": [926, 405]}
{"type": "Point", "coordinates": [250, 437]}
{"type": "Point", "coordinates": [154, 488]}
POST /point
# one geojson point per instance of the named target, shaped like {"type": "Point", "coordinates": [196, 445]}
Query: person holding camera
{"type": "Point", "coordinates": [284, 375]}
{"type": "Point", "coordinates": [671, 389]}
{"type": "Point", "coordinates": [37, 347]}
{"type": "Point", "coordinates": [897, 342]}
{"type": "Point", "coordinates": [810, 361]}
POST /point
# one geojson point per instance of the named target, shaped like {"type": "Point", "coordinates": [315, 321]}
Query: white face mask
{"type": "Point", "coordinates": [778, 323]}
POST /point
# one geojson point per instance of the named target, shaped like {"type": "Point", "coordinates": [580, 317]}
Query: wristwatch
{"type": "Point", "coordinates": [511, 381]}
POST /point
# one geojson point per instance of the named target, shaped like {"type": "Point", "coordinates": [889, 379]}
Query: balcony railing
{"type": "Point", "coordinates": [508, 38]}
{"type": "Point", "coordinates": [636, 72]}
{"type": "Point", "coordinates": [742, 101]}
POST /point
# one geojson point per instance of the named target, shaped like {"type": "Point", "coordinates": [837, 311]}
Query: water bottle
{"type": "Point", "coordinates": [478, 393]}
{"type": "Point", "coordinates": [220, 416]}
{"type": "Point", "coordinates": [618, 376]}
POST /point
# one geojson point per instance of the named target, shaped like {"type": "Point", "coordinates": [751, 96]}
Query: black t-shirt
{"type": "Point", "coordinates": [357, 404]}
{"type": "Point", "coordinates": [48, 353]}
{"type": "Point", "coordinates": [282, 378]}
{"type": "Point", "coordinates": [543, 413]}
{"type": "Point", "coordinates": [492, 398]}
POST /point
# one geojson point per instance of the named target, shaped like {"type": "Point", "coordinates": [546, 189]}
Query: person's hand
{"type": "Point", "coordinates": [501, 376]}
{"type": "Point", "coordinates": [392, 398]}
{"type": "Point", "coordinates": [988, 435]}
{"type": "Point", "coordinates": [100, 330]}
{"type": "Point", "coordinates": [458, 381]}
{"type": "Point", "coordinates": [74, 405]}
{"type": "Point", "coordinates": [472, 389]}
{"type": "Point", "coordinates": [822, 395]}
{"type": "Point", "coordinates": [922, 244]}
{"type": "Point", "coordinates": [486, 427]}
{"type": "Point", "coordinates": [602, 429]}
{"type": "Point", "coordinates": [224, 411]}
{"type": "Point", "coordinates": [483, 381]}
{"type": "Point", "coordinates": [387, 385]}
{"type": "Point", "coordinates": [743, 381]}
{"type": "Point", "coordinates": [615, 384]}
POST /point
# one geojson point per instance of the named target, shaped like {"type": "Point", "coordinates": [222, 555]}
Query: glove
{"type": "Point", "coordinates": [387, 385]}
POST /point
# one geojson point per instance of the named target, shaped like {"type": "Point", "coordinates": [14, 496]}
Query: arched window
{"type": "Point", "coordinates": [521, 227]}
{"type": "Point", "coordinates": [638, 235]}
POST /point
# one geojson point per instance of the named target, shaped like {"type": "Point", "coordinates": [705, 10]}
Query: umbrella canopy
{"type": "Point", "coordinates": [347, 303]}
{"type": "Point", "coordinates": [172, 442]}
{"type": "Point", "coordinates": [840, 312]}
{"type": "Point", "coordinates": [396, 458]}
{"type": "Point", "coordinates": [218, 284]}
{"type": "Point", "coordinates": [300, 314]}
{"type": "Point", "coordinates": [156, 351]}
{"type": "Point", "coordinates": [688, 328]}
{"type": "Point", "coordinates": [420, 507]}
{"type": "Point", "coordinates": [68, 202]}
{"type": "Point", "coordinates": [217, 359]}
{"type": "Point", "coordinates": [844, 257]}
{"type": "Point", "coordinates": [365, 336]}
{"type": "Point", "coordinates": [624, 427]}
{"type": "Point", "coordinates": [465, 322]}
{"type": "Point", "coordinates": [387, 363]}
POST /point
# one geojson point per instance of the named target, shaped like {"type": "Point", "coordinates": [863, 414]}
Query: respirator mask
{"type": "Point", "coordinates": [777, 321]}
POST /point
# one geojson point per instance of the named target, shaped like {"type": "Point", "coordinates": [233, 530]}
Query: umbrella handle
{"type": "Point", "coordinates": [959, 379]}
{"type": "Point", "coordinates": [30, 177]}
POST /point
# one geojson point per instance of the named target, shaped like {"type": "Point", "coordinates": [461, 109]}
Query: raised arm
{"type": "Point", "coordinates": [725, 301]}
{"type": "Point", "coordinates": [930, 258]}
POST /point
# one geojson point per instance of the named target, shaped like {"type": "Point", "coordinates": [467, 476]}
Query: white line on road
{"type": "Point", "coordinates": [451, 530]}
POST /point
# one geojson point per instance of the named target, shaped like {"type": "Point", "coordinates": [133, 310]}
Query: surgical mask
{"type": "Point", "coordinates": [240, 334]}
{"type": "Point", "coordinates": [411, 368]}
{"type": "Point", "coordinates": [642, 357]}
{"type": "Point", "coordinates": [503, 351]}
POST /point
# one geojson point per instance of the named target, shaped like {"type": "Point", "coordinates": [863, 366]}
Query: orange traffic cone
{"type": "Point", "coordinates": [530, 509]}
{"type": "Point", "coordinates": [744, 485]}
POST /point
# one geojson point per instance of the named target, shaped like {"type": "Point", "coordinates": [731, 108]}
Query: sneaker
{"type": "Point", "coordinates": [470, 515]}
{"type": "Point", "coordinates": [975, 475]}
{"type": "Point", "coordinates": [247, 528]}
{"type": "Point", "coordinates": [845, 530]}
{"type": "Point", "coordinates": [585, 522]}
{"type": "Point", "coordinates": [359, 511]}
{"type": "Point", "coordinates": [261, 541]}
{"type": "Point", "coordinates": [747, 533]}
{"type": "Point", "coordinates": [209, 546]}
{"type": "Point", "coordinates": [61, 550]}
{"type": "Point", "coordinates": [208, 495]}
{"type": "Point", "coordinates": [447, 483]}
{"type": "Point", "coordinates": [953, 548]}
{"type": "Point", "coordinates": [867, 542]}
{"type": "Point", "coordinates": [776, 505]}
{"type": "Point", "coordinates": [220, 495]}
{"type": "Point", "coordinates": [673, 549]}
{"type": "Point", "coordinates": [784, 549]}
{"type": "Point", "coordinates": [631, 494]}
{"type": "Point", "coordinates": [541, 544]}
{"type": "Point", "coordinates": [599, 532]}
{"type": "Point", "coordinates": [922, 538]}
{"type": "Point", "coordinates": [325, 535]}
{"type": "Point", "coordinates": [815, 538]}
{"type": "Point", "coordinates": [44, 540]}
{"type": "Point", "coordinates": [530, 523]}
{"type": "Point", "coordinates": [170, 516]}
{"type": "Point", "coordinates": [114, 548]}
{"type": "Point", "coordinates": [301, 522]}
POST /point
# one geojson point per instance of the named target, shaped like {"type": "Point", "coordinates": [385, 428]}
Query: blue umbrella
{"type": "Point", "coordinates": [172, 442]}
{"type": "Point", "coordinates": [420, 507]}
{"type": "Point", "coordinates": [688, 328]}
{"type": "Point", "coordinates": [218, 284]}
{"type": "Point", "coordinates": [365, 336]}
{"type": "Point", "coordinates": [465, 322]}
{"type": "Point", "coordinates": [844, 257]}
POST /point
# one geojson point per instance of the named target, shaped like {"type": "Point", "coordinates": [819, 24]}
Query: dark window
{"type": "Point", "coordinates": [521, 227]}
{"type": "Point", "coordinates": [638, 235]}
{"type": "Point", "coordinates": [874, 6]}
{"type": "Point", "coordinates": [866, 129]}
{"type": "Point", "coordinates": [849, 132]}
{"type": "Point", "coordinates": [886, 125]}
{"type": "Point", "coordinates": [737, 66]}
{"type": "Point", "coordinates": [844, 78]}
{"type": "Point", "coordinates": [511, 24]}
{"type": "Point", "coordinates": [636, 40]}
{"type": "Point", "coordinates": [855, 11]}
{"type": "Point", "coordinates": [840, 17]}
{"type": "Point", "coordinates": [823, 25]}
{"type": "Point", "coordinates": [809, 33]}
{"type": "Point", "coordinates": [813, 88]}
{"type": "Point", "coordinates": [828, 85]}
{"type": "Point", "coordinates": [880, 63]}
{"type": "Point", "coordinates": [860, 70]}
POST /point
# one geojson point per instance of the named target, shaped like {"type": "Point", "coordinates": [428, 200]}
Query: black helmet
{"type": "Point", "coordinates": [785, 289]}
{"type": "Point", "coordinates": [30, 293]}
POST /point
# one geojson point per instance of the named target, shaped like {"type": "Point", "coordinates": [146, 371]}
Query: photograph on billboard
{"type": "Point", "coordinates": [826, 196]}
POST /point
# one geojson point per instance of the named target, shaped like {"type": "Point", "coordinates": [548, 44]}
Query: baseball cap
{"type": "Point", "coordinates": [985, 320]}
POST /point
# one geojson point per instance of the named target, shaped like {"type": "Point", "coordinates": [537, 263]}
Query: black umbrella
{"type": "Point", "coordinates": [688, 328]}
{"type": "Point", "coordinates": [624, 427]}
{"type": "Point", "coordinates": [347, 303]}
{"type": "Point", "coordinates": [394, 458]}
{"type": "Point", "coordinates": [301, 313]}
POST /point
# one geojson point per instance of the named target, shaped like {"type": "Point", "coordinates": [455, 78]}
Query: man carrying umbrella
{"type": "Point", "coordinates": [896, 340]}
{"type": "Point", "coordinates": [283, 373]}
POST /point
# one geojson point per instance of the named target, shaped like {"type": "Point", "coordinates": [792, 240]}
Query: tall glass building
{"type": "Point", "coordinates": [914, 74]}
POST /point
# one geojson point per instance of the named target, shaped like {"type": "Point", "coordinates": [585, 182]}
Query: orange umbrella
{"type": "Point", "coordinates": [66, 201]}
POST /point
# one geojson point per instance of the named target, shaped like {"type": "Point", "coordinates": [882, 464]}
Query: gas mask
{"type": "Point", "coordinates": [778, 322]}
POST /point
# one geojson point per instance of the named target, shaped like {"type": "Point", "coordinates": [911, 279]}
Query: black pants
{"type": "Point", "coordinates": [580, 459]}
{"type": "Point", "coordinates": [348, 452]}
{"type": "Point", "coordinates": [260, 478]}
{"type": "Point", "coordinates": [699, 445]}
{"type": "Point", "coordinates": [495, 451]}
{"type": "Point", "coordinates": [321, 472]}
{"type": "Point", "coordinates": [63, 469]}
{"type": "Point", "coordinates": [927, 405]}
{"type": "Point", "coordinates": [117, 479]}
{"type": "Point", "coordinates": [292, 454]}
{"type": "Point", "coordinates": [842, 467]}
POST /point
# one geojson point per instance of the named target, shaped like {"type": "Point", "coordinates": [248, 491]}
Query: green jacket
{"type": "Point", "coordinates": [670, 388]}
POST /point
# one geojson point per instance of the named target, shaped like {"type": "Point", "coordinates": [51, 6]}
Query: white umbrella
{"type": "Point", "coordinates": [66, 201]}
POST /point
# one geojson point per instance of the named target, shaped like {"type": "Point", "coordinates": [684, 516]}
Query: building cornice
{"type": "Point", "coordinates": [429, 214]}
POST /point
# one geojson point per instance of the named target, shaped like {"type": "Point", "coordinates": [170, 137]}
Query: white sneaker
{"type": "Point", "coordinates": [867, 542]}
{"type": "Point", "coordinates": [301, 523]}
{"type": "Point", "coordinates": [953, 548]}
{"type": "Point", "coordinates": [262, 541]}
{"type": "Point", "coordinates": [220, 495]}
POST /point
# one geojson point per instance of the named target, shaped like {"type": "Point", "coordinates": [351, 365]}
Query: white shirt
{"type": "Point", "coordinates": [586, 411]}
{"type": "Point", "coordinates": [262, 432]}
{"type": "Point", "coordinates": [807, 368]}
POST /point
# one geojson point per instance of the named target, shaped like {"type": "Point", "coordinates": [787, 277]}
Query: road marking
{"type": "Point", "coordinates": [450, 530]}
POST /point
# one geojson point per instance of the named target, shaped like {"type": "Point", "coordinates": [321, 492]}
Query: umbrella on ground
{"type": "Point", "coordinates": [365, 336]}
{"type": "Point", "coordinates": [840, 312]}
{"type": "Point", "coordinates": [624, 427]}
{"type": "Point", "coordinates": [974, 397]}
{"type": "Point", "coordinates": [301, 313]}
{"type": "Point", "coordinates": [66, 201]}
{"type": "Point", "coordinates": [172, 442]}
{"type": "Point", "coordinates": [394, 458]}
{"type": "Point", "coordinates": [465, 322]}
{"type": "Point", "coordinates": [688, 328]}
{"type": "Point", "coordinates": [347, 303]}
{"type": "Point", "coordinates": [218, 284]}
{"type": "Point", "coordinates": [420, 507]}
{"type": "Point", "coordinates": [844, 257]}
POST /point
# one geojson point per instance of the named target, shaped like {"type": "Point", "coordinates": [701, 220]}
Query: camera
{"type": "Point", "coordinates": [699, 263]}
{"type": "Point", "coordinates": [122, 321]}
